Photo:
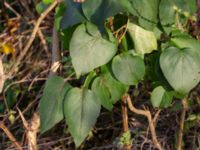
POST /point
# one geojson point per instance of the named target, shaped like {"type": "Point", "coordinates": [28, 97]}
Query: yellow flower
{"type": "Point", "coordinates": [7, 48]}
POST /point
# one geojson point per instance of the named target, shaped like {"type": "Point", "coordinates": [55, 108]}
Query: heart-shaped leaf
{"type": "Point", "coordinates": [81, 109]}
{"type": "Point", "coordinates": [89, 50]}
{"type": "Point", "coordinates": [168, 10]}
{"type": "Point", "coordinates": [128, 69]}
{"type": "Point", "coordinates": [101, 10]}
{"type": "Point", "coordinates": [51, 103]}
{"type": "Point", "coordinates": [72, 14]}
{"type": "Point", "coordinates": [144, 40]}
{"type": "Point", "coordinates": [181, 67]}
{"type": "Point", "coordinates": [147, 12]}
{"type": "Point", "coordinates": [108, 89]}
{"type": "Point", "coordinates": [186, 41]}
{"type": "Point", "coordinates": [102, 92]}
{"type": "Point", "coordinates": [161, 98]}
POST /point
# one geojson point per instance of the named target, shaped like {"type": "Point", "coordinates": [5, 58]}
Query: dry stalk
{"type": "Point", "coordinates": [33, 35]}
{"type": "Point", "coordinates": [2, 76]}
{"type": "Point", "coordinates": [125, 120]}
{"type": "Point", "coordinates": [182, 120]}
{"type": "Point", "coordinates": [147, 114]}
{"type": "Point", "coordinates": [10, 136]}
{"type": "Point", "coordinates": [32, 129]}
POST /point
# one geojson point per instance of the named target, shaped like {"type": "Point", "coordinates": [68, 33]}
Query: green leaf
{"type": "Point", "coordinates": [154, 72]}
{"type": "Point", "coordinates": [128, 69]}
{"type": "Point", "coordinates": [167, 12]}
{"type": "Point", "coordinates": [181, 67]}
{"type": "Point", "coordinates": [59, 13]}
{"type": "Point", "coordinates": [47, 1]}
{"type": "Point", "coordinates": [108, 89]}
{"type": "Point", "coordinates": [101, 10]}
{"type": "Point", "coordinates": [147, 12]}
{"type": "Point", "coordinates": [89, 50]}
{"type": "Point", "coordinates": [168, 9]}
{"type": "Point", "coordinates": [126, 5]}
{"type": "Point", "coordinates": [102, 92]}
{"type": "Point", "coordinates": [81, 109]}
{"type": "Point", "coordinates": [41, 7]}
{"type": "Point", "coordinates": [187, 6]}
{"type": "Point", "coordinates": [89, 78]}
{"type": "Point", "coordinates": [66, 35]}
{"type": "Point", "coordinates": [185, 41]}
{"type": "Point", "coordinates": [72, 14]}
{"type": "Point", "coordinates": [161, 98]}
{"type": "Point", "coordinates": [51, 103]}
{"type": "Point", "coordinates": [144, 40]}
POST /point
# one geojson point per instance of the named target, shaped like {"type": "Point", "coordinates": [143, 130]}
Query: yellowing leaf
{"type": "Point", "coordinates": [145, 41]}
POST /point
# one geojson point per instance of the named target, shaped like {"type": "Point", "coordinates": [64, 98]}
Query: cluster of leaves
{"type": "Point", "coordinates": [114, 44]}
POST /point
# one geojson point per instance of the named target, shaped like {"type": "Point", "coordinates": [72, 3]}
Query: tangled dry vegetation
{"type": "Point", "coordinates": [27, 53]}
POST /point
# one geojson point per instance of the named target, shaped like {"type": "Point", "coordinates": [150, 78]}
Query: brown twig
{"type": "Point", "coordinates": [182, 120]}
{"type": "Point", "coordinates": [125, 120]}
{"type": "Point", "coordinates": [33, 35]}
{"type": "Point", "coordinates": [10, 136]}
{"type": "Point", "coordinates": [156, 116]}
{"type": "Point", "coordinates": [147, 114]}
{"type": "Point", "coordinates": [42, 38]}
{"type": "Point", "coordinates": [2, 76]}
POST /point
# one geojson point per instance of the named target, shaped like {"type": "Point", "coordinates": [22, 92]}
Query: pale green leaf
{"type": "Point", "coordinates": [181, 67]}
{"type": "Point", "coordinates": [161, 98]}
{"type": "Point", "coordinates": [185, 41]}
{"type": "Point", "coordinates": [144, 40]}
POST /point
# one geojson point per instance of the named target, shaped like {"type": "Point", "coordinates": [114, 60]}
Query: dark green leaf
{"type": "Point", "coordinates": [89, 51]}
{"type": "Point", "coordinates": [59, 12]}
{"type": "Point", "coordinates": [51, 103]}
{"type": "Point", "coordinates": [99, 10]}
{"type": "Point", "coordinates": [72, 14]}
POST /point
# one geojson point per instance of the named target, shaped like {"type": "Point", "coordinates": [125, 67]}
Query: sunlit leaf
{"type": "Point", "coordinates": [144, 40]}
{"type": "Point", "coordinates": [181, 67]}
